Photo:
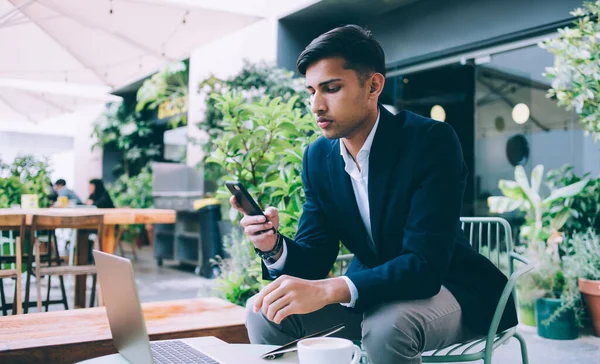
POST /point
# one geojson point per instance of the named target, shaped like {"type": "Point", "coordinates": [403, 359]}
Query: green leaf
{"type": "Point", "coordinates": [287, 127]}
{"type": "Point", "coordinates": [567, 191]}
{"type": "Point", "coordinates": [537, 175]}
{"type": "Point", "coordinates": [511, 189]}
{"type": "Point", "coordinates": [278, 183]}
{"type": "Point", "coordinates": [235, 143]}
{"type": "Point", "coordinates": [559, 221]}
{"type": "Point", "coordinates": [500, 205]}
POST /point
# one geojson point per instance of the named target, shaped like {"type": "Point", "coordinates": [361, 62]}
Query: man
{"type": "Point", "coordinates": [61, 190]}
{"type": "Point", "coordinates": [390, 187]}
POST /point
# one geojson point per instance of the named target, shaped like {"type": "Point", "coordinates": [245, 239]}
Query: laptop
{"type": "Point", "coordinates": [126, 320]}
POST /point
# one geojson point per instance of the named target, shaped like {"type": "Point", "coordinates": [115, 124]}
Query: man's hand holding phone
{"type": "Point", "coordinates": [262, 232]}
{"type": "Point", "coordinates": [285, 295]}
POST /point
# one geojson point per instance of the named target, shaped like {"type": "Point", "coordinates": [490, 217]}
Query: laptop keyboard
{"type": "Point", "coordinates": [167, 352]}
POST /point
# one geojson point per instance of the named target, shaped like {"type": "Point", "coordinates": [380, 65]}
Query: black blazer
{"type": "Point", "coordinates": [417, 179]}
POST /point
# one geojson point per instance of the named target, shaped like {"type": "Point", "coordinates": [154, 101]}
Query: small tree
{"type": "Point", "coordinates": [252, 83]}
{"type": "Point", "coordinates": [262, 147]}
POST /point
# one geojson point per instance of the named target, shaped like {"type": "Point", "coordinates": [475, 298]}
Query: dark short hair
{"type": "Point", "coordinates": [356, 45]}
{"type": "Point", "coordinates": [61, 182]}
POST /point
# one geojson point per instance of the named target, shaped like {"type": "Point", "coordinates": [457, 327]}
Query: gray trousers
{"type": "Point", "coordinates": [395, 332]}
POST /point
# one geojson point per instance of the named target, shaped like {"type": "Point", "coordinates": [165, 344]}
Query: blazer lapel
{"type": "Point", "coordinates": [382, 161]}
{"type": "Point", "coordinates": [343, 195]}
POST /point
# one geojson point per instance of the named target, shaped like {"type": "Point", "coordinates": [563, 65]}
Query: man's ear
{"type": "Point", "coordinates": [377, 83]}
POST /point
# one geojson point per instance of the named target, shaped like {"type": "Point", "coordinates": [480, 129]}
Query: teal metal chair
{"type": "Point", "coordinates": [491, 237]}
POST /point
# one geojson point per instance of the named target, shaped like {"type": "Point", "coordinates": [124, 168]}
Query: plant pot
{"type": "Point", "coordinates": [564, 327]}
{"type": "Point", "coordinates": [591, 294]}
{"type": "Point", "coordinates": [527, 313]}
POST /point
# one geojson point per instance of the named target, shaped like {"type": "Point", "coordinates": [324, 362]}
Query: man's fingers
{"type": "Point", "coordinates": [271, 212]}
{"type": "Point", "coordinates": [265, 291]}
{"type": "Point", "coordinates": [272, 297]}
{"type": "Point", "coordinates": [256, 228]}
{"type": "Point", "coordinates": [264, 241]}
{"type": "Point", "coordinates": [283, 313]}
{"type": "Point", "coordinates": [234, 203]}
{"type": "Point", "coordinates": [278, 305]}
{"type": "Point", "coordinates": [252, 220]}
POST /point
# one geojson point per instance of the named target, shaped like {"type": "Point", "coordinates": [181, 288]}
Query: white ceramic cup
{"type": "Point", "coordinates": [328, 350]}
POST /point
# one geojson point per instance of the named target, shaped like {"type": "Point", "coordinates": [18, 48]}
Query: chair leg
{"type": "Point", "coordinates": [16, 301]}
{"type": "Point", "coordinates": [47, 303]}
{"type": "Point", "coordinates": [524, 356]}
{"type": "Point", "coordinates": [122, 252]}
{"type": "Point", "coordinates": [3, 298]}
{"type": "Point", "coordinates": [133, 249]}
{"type": "Point", "coordinates": [93, 296]}
{"type": "Point", "coordinates": [38, 276]}
{"type": "Point", "coordinates": [29, 273]}
{"type": "Point", "coordinates": [59, 262]}
{"type": "Point", "coordinates": [64, 292]}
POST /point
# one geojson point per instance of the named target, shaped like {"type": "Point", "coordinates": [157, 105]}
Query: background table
{"type": "Point", "coordinates": [112, 217]}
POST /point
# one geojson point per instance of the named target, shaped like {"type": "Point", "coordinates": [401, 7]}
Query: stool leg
{"type": "Point", "coordinates": [93, 297]}
{"type": "Point", "coordinates": [2, 298]}
{"type": "Point", "coordinates": [29, 272]}
{"type": "Point", "coordinates": [60, 277]}
{"type": "Point", "coordinates": [133, 249]}
{"type": "Point", "coordinates": [16, 302]}
{"type": "Point", "coordinates": [47, 303]}
{"type": "Point", "coordinates": [64, 293]}
{"type": "Point", "coordinates": [120, 243]}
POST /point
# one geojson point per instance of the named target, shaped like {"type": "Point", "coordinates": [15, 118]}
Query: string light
{"type": "Point", "coordinates": [520, 113]}
{"type": "Point", "coordinates": [438, 113]}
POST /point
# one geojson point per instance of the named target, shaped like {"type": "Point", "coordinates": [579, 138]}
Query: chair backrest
{"type": "Point", "coordinates": [12, 221]}
{"type": "Point", "coordinates": [492, 238]}
{"type": "Point", "coordinates": [52, 221]}
{"type": "Point", "coordinates": [60, 220]}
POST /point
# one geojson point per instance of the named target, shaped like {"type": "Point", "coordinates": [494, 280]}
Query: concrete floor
{"type": "Point", "coordinates": [171, 282]}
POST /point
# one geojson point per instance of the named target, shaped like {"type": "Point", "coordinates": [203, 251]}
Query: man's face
{"type": "Point", "coordinates": [338, 100]}
{"type": "Point", "coordinates": [58, 187]}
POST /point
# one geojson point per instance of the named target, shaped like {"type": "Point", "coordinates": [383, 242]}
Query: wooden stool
{"type": "Point", "coordinates": [48, 222]}
{"type": "Point", "coordinates": [13, 222]}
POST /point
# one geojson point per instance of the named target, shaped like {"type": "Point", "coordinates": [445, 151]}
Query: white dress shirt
{"type": "Point", "coordinates": [360, 185]}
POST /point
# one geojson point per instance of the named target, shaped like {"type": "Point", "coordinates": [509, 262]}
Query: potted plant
{"type": "Point", "coordinates": [583, 264]}
{"type": "Point", "coordinates": [262, 147]}
{"type": "Point", "coordinates": [543, 218]}
{"type": "Point", "coordinates": [555, 306]}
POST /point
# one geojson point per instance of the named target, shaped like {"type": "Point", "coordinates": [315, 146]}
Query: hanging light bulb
{"type": "Point", "coordinates": [520, 113]}
{"type": "Point", "coordinates": [438, 113]}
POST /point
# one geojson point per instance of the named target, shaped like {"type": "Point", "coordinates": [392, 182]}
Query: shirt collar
{"type": "Point", "coordinates": [366, 146]}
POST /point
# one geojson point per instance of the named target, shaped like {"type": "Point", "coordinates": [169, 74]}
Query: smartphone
{"type": "Point", "coordinates": [246, 202]}
{"type": "Point", "coordinates": [244, 199]}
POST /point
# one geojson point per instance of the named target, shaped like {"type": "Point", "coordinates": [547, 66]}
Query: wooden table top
{"type": "Point", "coordinates": [119, 216]}
{"type": "Point", "coordinates": [182, 318]}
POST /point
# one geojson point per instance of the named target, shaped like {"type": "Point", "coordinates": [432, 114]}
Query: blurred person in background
{"type": "Point", "coordinates": [61, 190]}
{"type": "Point", "coordinates": [52, 195]}
{"type": "Point", "coordinates": [99, 196]}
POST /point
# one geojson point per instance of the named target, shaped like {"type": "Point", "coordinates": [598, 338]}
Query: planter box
{"type": "Point", "coordinates": [563, 327]}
